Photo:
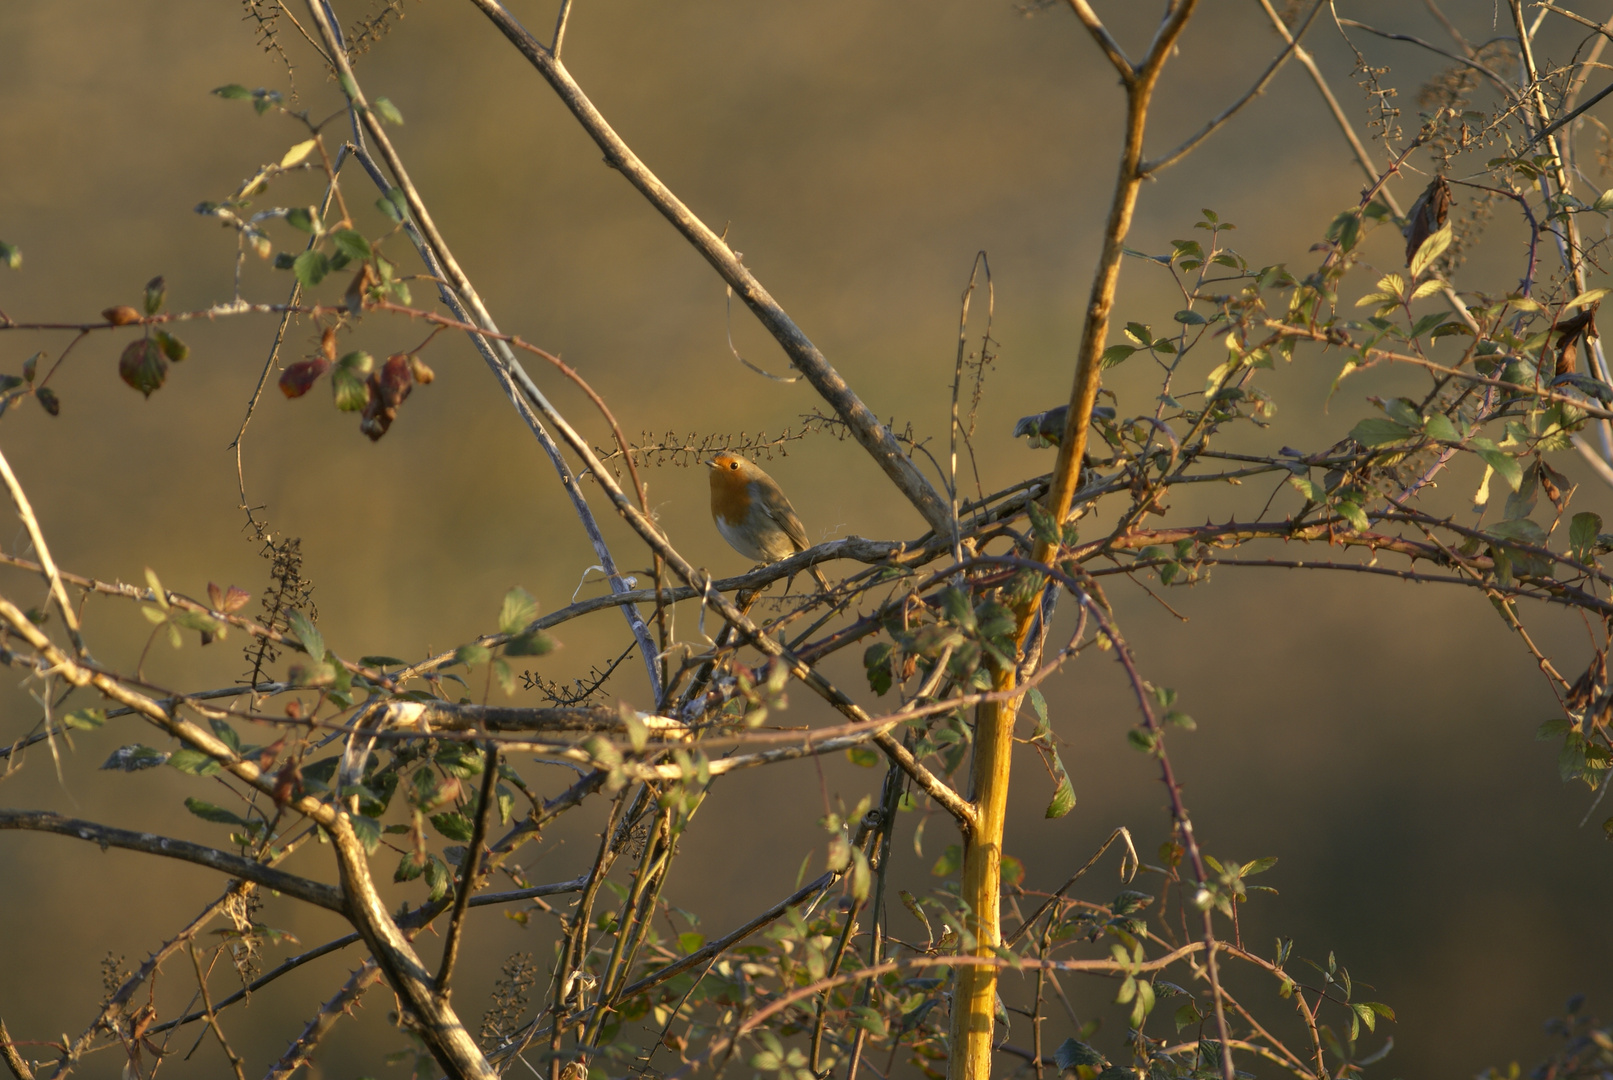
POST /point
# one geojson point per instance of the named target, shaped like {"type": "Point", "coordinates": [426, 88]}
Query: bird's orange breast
{"type": "Point", "coordinates": [730, 499]}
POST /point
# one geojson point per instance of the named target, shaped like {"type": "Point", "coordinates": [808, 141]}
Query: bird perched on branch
{"type": "Point", "coordinates": [752, 513]}
{"type": "Point", "coordinates": [1047, 428]}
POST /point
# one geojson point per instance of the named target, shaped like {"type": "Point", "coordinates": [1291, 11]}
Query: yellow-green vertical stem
{"type": "Point", "coordinates": [975, 986]}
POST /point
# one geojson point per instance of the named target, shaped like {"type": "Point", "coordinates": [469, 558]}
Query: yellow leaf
{"type": "Point", "coordinates": [1590, 296]}
{"type": "Point", "coordinates": [297, 153]}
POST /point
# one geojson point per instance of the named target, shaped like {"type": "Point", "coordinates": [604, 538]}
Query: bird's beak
{"type": "Point", "coordinates": [711, 463]}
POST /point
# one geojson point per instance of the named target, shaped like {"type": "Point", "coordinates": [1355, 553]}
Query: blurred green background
{"type": "Point", "coordinates": [1377, 737]}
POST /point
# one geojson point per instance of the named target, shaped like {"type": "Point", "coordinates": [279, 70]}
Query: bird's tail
{"type": "Point", "coordinates": [817, 575]}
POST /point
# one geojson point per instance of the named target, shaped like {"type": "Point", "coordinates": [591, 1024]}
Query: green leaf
{"type": "Point", "coordinates": [133, 758]}
{"type": "Point", "coordinates": [303, 630]}
{"type": "Point", "coordinates": [351, 242]}
{"type": "Point", "coordinates": [862, 756]}
{"type": "Point", "coordinates": [1115, 354]}
{"type": "Point", "coordinates": [505, 677]}
{"type": "Point", "coordinates": [948, 863]}
{"type": "Point", "coordinates": [1381, 431]}
{"type": "Point", "coordinates": [537, 643]}
{"type": "Point", "coordinates": [1307, 487]}
{"type": "Point", "coordinates": [1352, 512]}
{"type": "Point", "coordinates": [171, 347]}
{"type": "Point", "coordinates": [959, 612]}
{"type": "Point", "coordinates": [226, 734]}
{"type": "Point", "coordinates": [304, 218]}
{"type": "Point", "coordinates": [10, 254]}
{"type": "Point", "coordinates": [387, 111]}
{"type": "Point", "coordinates": [1427, 323]}
{"type": "Point", "coordinates": [394, 204]}
{"type": "Point", "coordinates": [453, 825]}
{"type": "Point", "coordinates": [437, 877]}
{"type": "Point", "coordinates": [1072, 1054]}
{"type": "Point", "coordinates": [1038, 704]}
{"type": "Point", "coordinates": [1582, 533]}
{"type": "Point", "coordinates": [1142, 739]}
{"type": "Point", "coordinates": [310, 268]}
{"type": "Point", "coordinates": [1505, 465]}
{"type": "Point", "coordinates": [877, 663]}
{"type": "Point", "coordinates": [1042, 524]}
{"type": "Point", "coordinates": [1431, 249]}
{"type": "Point", "coordinates": [518, 609]}
{"type": "Point", "coordinates": [1063, 798]}
{"type": "Point", "coordinates": [368, 833]}
{"type": "Point", "coordinates": [1589, 296]}
{"type": "Point", "coordinates": [233, 91]}
{"type": "Point", "coordinates": [1521, 530]}
{"type": "Point", "coordinates": [1439, 426]}
{"type": "Point", "coordinates": [84, 719]}
{"type": "Point", "coordinates": [143, 366]}
{"type": "Point", "coordinates": [351, 391]}
{"type": "Point", "coordinates": [193, 762]}
{"type": "Point", "coordinates": [156, 293]}
{"type": "Point", "coordinates": [208, 812]}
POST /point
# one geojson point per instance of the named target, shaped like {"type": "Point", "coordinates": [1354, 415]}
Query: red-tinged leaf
{"type": "Point", "coordinates": [267, 756]}
{"type": "Point", "coordinates": [300, 377]}
{"type": "Point", "coordinates": [121, 316]}
{"type": "Point", "coordinates": [388, 387]}
{"type": "Point", "coordinates": [286, 783]}
{"type": "Point", "coordinates": [327, 343]}
{"type": "Point", "coordinates": [48, 400]}
{"type": "Point", "coordinates": [396, 380]}
{"type": "Point", "coordinates": [227, 600]}
{"type": "Point", "coordinates": [143, 365]}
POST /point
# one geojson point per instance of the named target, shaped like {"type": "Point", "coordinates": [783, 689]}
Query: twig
{"type": "Point", "coordinates": [297, 1055]}
{"type": "Point", "coordinates": [212, 1015]}
{"type": "Point", "coordinates": [311, 892]}
{"type": "Point", "coordinates": [469, 871]}
{"type": "Point", "coordinates": [864, 425]}
{"type": "Point", "coordinates": [1148, 168]}
{"type": "Point", "coordinates": [53, 577]}
{"type": "Point", "coordinates": [14, 1061]}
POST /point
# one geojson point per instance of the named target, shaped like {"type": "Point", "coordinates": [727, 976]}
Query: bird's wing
{"type": "Point", "coordinates": [779, 509]}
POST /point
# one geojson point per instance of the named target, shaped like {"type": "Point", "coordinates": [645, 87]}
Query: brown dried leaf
{"type": "Point", "coordinates": [1427, 215]}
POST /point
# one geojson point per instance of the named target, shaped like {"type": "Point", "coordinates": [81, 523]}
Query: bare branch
{"type": "Point", "coordinates": [1148, 168]}
{"type": "Point", "coordinates": [865, 427]}
{"type": "Point", "coordinates": [53, 577]}
{"type": "Point", "coordinates": [14, 1061]}
{"type": "Point", "coordinates": [313, 892]}
{"type": "Point", "coordinates": [1111, 48]}
{"type": "Point", "coordinates": [298, 1053]}
{"type": "Point", "coordinates": [469, 872]}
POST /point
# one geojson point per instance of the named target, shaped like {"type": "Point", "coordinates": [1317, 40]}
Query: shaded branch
{"type": "Point", "coordinates": [301, 888]}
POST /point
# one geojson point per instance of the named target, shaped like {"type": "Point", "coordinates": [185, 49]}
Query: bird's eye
{"type": "Point", "coordinates": [733, 464]}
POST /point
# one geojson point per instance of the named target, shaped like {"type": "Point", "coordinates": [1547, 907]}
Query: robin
{"type": "Point", "coordinates": [752, 513]}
